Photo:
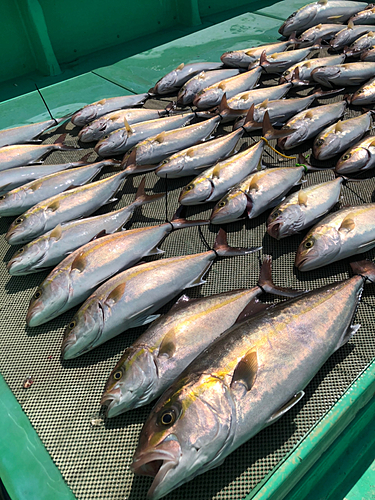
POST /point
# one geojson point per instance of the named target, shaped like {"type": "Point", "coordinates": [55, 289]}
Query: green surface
{"type": "Point", "coordinates": [365, 486]}
{"type": "Point", "coordinates": [26, 469]}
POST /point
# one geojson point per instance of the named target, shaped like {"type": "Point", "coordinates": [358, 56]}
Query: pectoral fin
{"type": "Point", "coordinates": [348, 335]}
{"type": "Point", "coordinates": [168, 344]}
{"type": "Point", "coordinates": [347, 224]}
{"type": "Point", "coordinates": [53, 206]}
{"type": "Point", "coordinates": [246, 370]}
{"type": "Point", "coordinates": [78, 263]}
{"type": "Point", "coordinates": [279, 413]}
{"type": "Point", "coordinates": [56, 233]}
{"type": "Point", "coordinates": [154, 251]}
{"type": "Point", "coordinates": [116, 293]}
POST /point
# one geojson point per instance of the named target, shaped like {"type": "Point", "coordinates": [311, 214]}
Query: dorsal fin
{"type": "Point", "coordinates": [246, 370]}
{"type": "Point", "coordinates": [309, 114]}
{"type": "Point", "coordinates": [221, 86]}
{"type": "Point", "coordinates": [182, 65]}
{"type": "Point", "coordinates": [128, 128]}
{"type": "Point", "coordinates": [36, 185]}
{"type": "Point", "coordinates": [319, 26]}
{"type": "Point", "coordinates": [322, 2]}
{"type": "Point", "coordinates": [54, 205]}
{"type": "Point", "coordinates": [56, 233]}
{"type": "Point", "coordinates": [78, 263]}
{"type": "Point", "coordinates": [116, 293]}
{"type": "Point", "coordinates": [302, 197]}
{"type": "Point", "coordinates": [102, 101]}
{"type": "Point", "coordinates": [347, 224]}
{"type": "Point", "coordinates": [338, 127]}
{"type": "Point", "coordinates": [116, 116]}
{"type": "Point", "coordinates": [190, 152]}
{"type": "Point", "coordinates": [249, 52]}
{"type": "Point", "coordinates": [350, 25]}
{"type": "Point", "coordinates": [216, 172]}
{"type": "Point", "coordinates": [254, 182]}
{"type": "Point", "coordinates": [202, 75]}
{"type": "Point", "coordinates": [245, 97]}
{"type": "Point", "coordinates": [168, 344]}
{"type": "Point", "coordinates": [370, 33]}
{"type": "Point", "coordinates": [160, 137]}
{"type": "Point", "coordinates": [264, 104]}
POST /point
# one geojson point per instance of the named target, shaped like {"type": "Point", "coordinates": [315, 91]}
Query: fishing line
{"type": "Point", "coordinates": [358, 196]}
{"type": "Point", "coordinates": [50, 114]}
{"type": "Point", "coordinates": [204, 241]}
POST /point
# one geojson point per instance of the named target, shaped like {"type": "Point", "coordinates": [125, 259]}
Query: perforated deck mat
{"type": "Point", "coordinates": [63, 402]}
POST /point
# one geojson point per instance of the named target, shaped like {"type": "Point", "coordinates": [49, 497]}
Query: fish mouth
{"type": "Point", "coordinates": [300, 262]}
{"type": "Point", "coordinates": [68, 342]}
{"type": "Point", "coordinates": [273, 229]}
{"type": "Point", "coordinates": [109, 400]}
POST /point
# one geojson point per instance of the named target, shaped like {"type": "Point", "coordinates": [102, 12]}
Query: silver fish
{"type": "Point", "coordinates": [344, 74]}
{"type": "Point", "coordinates": [96, 109]}
{"type": "Point", "coordinates": [97, 129]}
{"type": "Point", "coordinates": [54, 245]}
{"type": "Point", "coordinates": [187, 161]}
{"type": "Point", "coordinates": [246, 380]}
{"type": "Point", "coordinates": [308, 124]}
{"type": "Point", "coordinates": [348, 35]}
{"type": "Point", "coordinates": [302, 209]}
{"type": "Point", "coordinates": [339, 235]}
{"type": "Point", "coordinates": [173, 80]}
{"type": "Point", "coordinates": [280, 61]}
{"type": "Point", "coordinates": [132, 297]}
{"type": "Point", "coordinates": [368, 55]}
{"type": "Point", "coordinates": [366, 16]}
{"type": "Point", "coordinates": [123, 139]}
{"type": "Point", "coordinates": [364, 95]}
{"type": "Point", "coordinates": [323, 11]}
{"type": "Point", "coordinates": [363, 43]}
{"type": "Point", "coordinates": [320, 31]}
{"type": "Point", "coordinates": [199, 82]}
{"type": "Point", "coordinates": [300, 73]}
{"type": "Point", "coordinates": [336, 138]}
{"type": "Point", "coordinates": [26, 133]}
{"type": "Point", "coordinates": [359, 157]}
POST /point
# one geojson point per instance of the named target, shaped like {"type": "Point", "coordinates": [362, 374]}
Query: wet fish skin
{"type": "Point", "coordinates": [99, 108]}
{"type": "Point", "coordinates": [320, 31]}
{"type": "Point", "coordinates": [187, 161]}
{"type": "Point", "coordinates": [336, 138]}
{"type": "Point", "coordinates": [344, 74]}
{"type": "Point", "coordinates": [348, 35]}
{"type": "Point", "coordinates": [364, 95]}
{"type": "Point", "coordinates": [280, 61]}
{"type": "Point", "coordinates": [366, 16]}
{"type": "Point", "coordinates": [339, 235]}
{"type": "Point", "coordinates": [305, 68]}
{"type": "Point", "coordinates": [359, 157]}
{"type": "Point", "coordinates": [368, 55]}
{"type": "Point", "coordinates": [363, 43]}
{"type": "Point", "coordinates": [26, 133]}
{"type": "Point", "coordinates": [298, 212]}
{"type": "Point", "coordinates": [242, 58]}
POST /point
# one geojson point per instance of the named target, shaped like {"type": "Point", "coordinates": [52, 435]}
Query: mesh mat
{"type": "Point", "coordinates": [63, 402]}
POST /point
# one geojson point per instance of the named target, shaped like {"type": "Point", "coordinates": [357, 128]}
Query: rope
{"type": "Point", "coordinates": [275, 150]}
{"type": "Point", "coordinates": [204, 241]}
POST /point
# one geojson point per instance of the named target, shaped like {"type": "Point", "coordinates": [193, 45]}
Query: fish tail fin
{"type": "Point", "coordinates": [293, 38]}
{"type": "Point", "coordinates": [271, 133]}
{"type": "Point", "coordinates": [364, 268]}
{"type": "Point", "coordinates": [302, 162]}
{"type": "Point", "coordinates": [325, 93]}
{"type": "Point", "coordinates": [129, 164]}
{"type": "Point", "coordinates": [222, 249]}
{"type": "Point", "coordinates": [224, 106]}
{"type": "Point", "coordinates": [266, 283]}
{"type": "Point", "coordinates": [318, 44]}
{"type": "Point", "coordinates": [296, 79]}
{"type": "Point", "coordinates": [263, 61]}
{"type": "Point", "coordinates": [179, 220]}
{"type": "Point", "coordinates": [169, 109]}
{"type": "Point", "coordinates": [59, 143]}
{"type": "Point", "coordinates": [85, 158]}
{"type": "Point", "coordinates": [249, 119]}
{"type": "Point", "coordinates": [141, 198]}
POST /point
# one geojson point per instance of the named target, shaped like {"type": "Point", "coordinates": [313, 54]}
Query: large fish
{"type": "Point", "coordinates": [300, 73]}
{"type": "Point", "coordinates": [359, 157]}
{"type": "Point", "coordinates": [170, 344]}
{"type": "Point", "coordinates": [96, 109]}
{"type": "Point", "coordinates": [188, 161]}
{"type": "Point", "coordinates": [19, 200]}
{"type": "Point", "coordinates": [26, 133]}
{"type": "Point", "coordinates": [132, 297]}
{"type": "Point", "coordinates": [211, 96]}
{"type": "Point", "coordinates": [173, 80]}
{"type": "Point", "coordinates": [348, 35]}
{"type": "Point", "coordinates": [121, 140]}
{"type": "Point", "coordinates": [362, 43]}
{"type": "Point", "coordinates": [344, 233]}
{"type": "Point", "coordinates": [76, 277]}
{"type": "Point", "coordinates": [302, 209]}
{"type": "Point", "coordinates": [308, 124]}
{"type": "Point", "coordinates": [323, 11]}
{"type": "Point", "coordinates": [364, 95]}
{"type": "Point", "coordinates": [53, 246]}
{"type": "Point", "coordinates": [366, 16]}
{"type": "Point", "coordinates": [344, 74]}
{"type": "Point", "coordinates": [199, 82]}
{"type": "Point", "coordinates": [280, 61]}
{"type": "Point", "coordinates": [243, 382]}
{"type": "Point", "coordinates": [338, 137]}
{"type": "Point", "coordinates": [320, 31]}
{"type": "Point", "coordinates": [97, 129]}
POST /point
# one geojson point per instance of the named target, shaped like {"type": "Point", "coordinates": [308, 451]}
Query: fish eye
{"type": "Point", "coordinates": [286, 72]}
{"type": "Point", "coordinates": [347, 156]}
{"type": "Point", "coordinates": [21, 250]}
{"type": "Point", "coordinates": [276, 214]}
{"type": "Point", "coordinates": [222, 204]}
{"type": "Point", "coordinates": [189, 187]}
{"type": "Point", "coordinates": [359, 91]}
{"type": "Point", "coordinates": [117, 375]}
{"type": "Point", "coordinates": [309, 244]}
{"type": "Point", "coordinates": [71, 325]}
{"type": "Point", "coordinates": [37, 294]}
{"type": "Point", "coordinates": [319, 142]}
{"type": "Point", "coordinates": [168, 417]}
{"type": "Point", "coordinates": [2, 197]}
{"type": "Point", "coordinates": [19, 220]}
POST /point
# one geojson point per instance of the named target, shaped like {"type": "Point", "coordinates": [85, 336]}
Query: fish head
{"type": "Point", "coordinates": [172, 166]}
{"type": "Point", "coordinates": [234, 58]}
{"type": "Point", "coordinates": [198, 191]}
{"type": "Point", "coordinates": [185, 434]}
{"type": "Point", "coordinates": [112, 143]}
{"type": "Point", "coordinates": [131, 382]}
{"type": "Point", "coordinates": [94, 131]}
{"type": "Point", "coordinates": [292, 140]}
{"type": "Point", "coordinates": [166, 84]}
{"type": "Point", "coordinates": [230, 208]}
{"type": "Point", "coordinates": [354, 160]}
{"type": "Point", "coordinates": [319, 247]}
{"type": "Point", "coordinates": [325, 74]}
{"type": "Point", "coordinates": [11, 200]}
{"type": "Point", "coordinates": [27, 257]}
{"type": "Point", "coordinates": [85, 115]}
{"type": "Point", "coordinates": [299, 21]}
{"type": "Point", "coordinates": [83, 330]}
{"type": "Point", "coordinates": [286, 77]}
{"type": "Point", "coordinates": [326, 146]}
{"type": "Point", "coordinates": [209, 98]}
{"type": "Point", "coordinates": [359, 97]}
{"type": "Point", "coordinates": [285, 222]}
{"type": "Point", "coordinates": [26, 227]}
{"type": "Point", "coordinates": [188, 92]}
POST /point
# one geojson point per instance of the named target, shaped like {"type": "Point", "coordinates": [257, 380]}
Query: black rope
{"type": "Point", "coordinates": [50, 114]}
{"type": "Point", "coordinates": [166, 198]}
{"type": "Point", "coordinates": [204, 241]}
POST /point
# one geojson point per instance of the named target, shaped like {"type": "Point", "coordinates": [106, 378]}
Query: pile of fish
{"type": "Point", "coordinates": [230, 381]}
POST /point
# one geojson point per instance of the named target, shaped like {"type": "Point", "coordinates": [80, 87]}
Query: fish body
{"type": "Point", "coordinates": [214, 182]}
{"type": "Point", "coordinates": [309, 123]}
{"type": "Point", "coordinates": [72, 204]}
{"type": "Point", "coordinates": [344, 74]}
{"type": "Point", "coordinates": [303, 208]}
{"type": "Point", "coordinates": [244, 100]}
{"type": "Point", "coordinates": [187, 161]}
{"type": "Point", "coordinates": [368, 55]}
{"type": "Point", "coordinates": [199, 82]}
{"type": "Point", "coordinates": [320, 32]}
{"type": "Point", "coordinates": [212, 95]}
{"type": "Point", "coordinates": [173, 80]}
{"type": "Point", "coordinates": [96, 109]}
{"type": "Point", "coordinates": [348, 35]}
{"type": "Point", "coordinates": [242, 58]}
{"type": "Point", "coordinates": [241, 383]}
{"type": "Point", "coordinates": [366, 16]}
{"type": "Point", "coordinates": [339, 235]}
{"type": "Point", "coordinates": [364, 95]}
{"type": "Point", "coordinates": [305, 68]}
{"type": "Point", "coordinates": [323, 11]}
{"type": "Point", "coordinates": [361, 44]}
{"type": "Point", "coordinates": [256, 193]}
{"type": "Point", "coordinates": [97, 129]}
{"type": "Point", "coordinates": [359, 157]}
{"type": "Point", "coordinates": [280, 61]}
{"type": "Point", "coordinates": [25, 154]}
{"type": "Point", "coordinates": [343, 134]}
{"type": "Point", "coordinates": [25, 133]}
{"type": "Point", "coordinates": [121, 140]}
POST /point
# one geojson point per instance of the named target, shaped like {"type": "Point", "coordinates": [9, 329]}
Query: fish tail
{"type": "Point", "coordinates": [364, 268]}
{"type": "Point", "coordinates": [142, 198]}
{"type": "Point", "coordinates": [293, 38]}
{"type": "Point", "coordinates": [296, 80]}
{"type": "Point", "coordinates": [129, 164]}
{"type": "Point", "coordinates": [223, 106]}
{"type": "Point", "coordinates": [179, 221]}
{"type": "Point", "coordinates": [326, 93]}
{"type": "Point", "coordinates": [302, 162]}
{"type": "Point", "coordinates": [271, 133]}
{"type": "Point", "coordinates": [59, 143]}
{"type": "Point", "coordinates": [222, 249]}
{"type": "Point", "coordinates": [266, 283]}
{"type": "Point", "coordinates": [249, 120]}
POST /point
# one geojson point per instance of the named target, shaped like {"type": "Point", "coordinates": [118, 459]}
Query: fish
{"type": "Point", "coordinates": [366, 16]}
{"type": "Point", "coordinates": [338, 137]}
{"type": "Point", "coordinates": [155, 149]}
{"type": "Point", "coordinates": [121, 140]}
{"type": "Point", "coordinates": [211, 96]}
{"type": "Point", "coordinates": [323, 11]}
{"type": "Point", "coordinates": [348, 35]}
{"type": "Point", "coordinates": [188, 161]}
{"type": "Point", "coordinates": [149, 366]}
{"type": "Point", "coordinates": [364, 95]}
{"type": "Point", "coordinates": [348, 232]}
{"type": "Point", "coordinates": [73, 280]}
{"type": "Point", "coordinates": [343, 74]}
{"type": "Point", "coordinates": [359, 157]}
{"type": "Point", "coordinates": [52, 247]}
{"type": "Point", "coordinates": [365, 42]}
{"type": "Point", "coordinates": [302, 209]}
{"type": "Point", "coordinates": [320, 31]}
{"type": "Point", "coordinates": [242, 58]}
{"type": "Point", "coordinates": [244, 381]}
{"type": "Point", "coordinates": [173, 80]}
{"type": "Point", "coordinates": [96, 109]}
{"type": "Point", "coordinates": [368, 55]}
{"type": "Point", "coordinates": [280, 61]}
{"type": "Point", "coordinates": [26, 133]}
{"type": "Point", "coordinates": [19, 200]}
{"type": "Point", "coordinates": [300, 73]}
{"type": "Point", "coordinates": [308, 124]}
{"type": "Point", "coordinates": [199, 82]}
{"type": "Point", "coordinates": [131, 298]}
{"type": "Point", "coordinates": [99, 128]}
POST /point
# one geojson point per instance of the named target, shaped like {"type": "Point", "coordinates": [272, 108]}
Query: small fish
{"type": "Point", "coordinates": [348, 35]}
{"type": "Point", "coordinates": [173, 80]}
{"type": "Point", "coordinates": [320, 31]}
{"type": "Point", "coordinates": [125, 302]}
{"type": "Point", "coordinates": [300, 73]}
{"type": "Point", "coordinates": [364, 95]}
{"type": "Point", "coordinates": [26, 133]}
{"type": "Point", "coordinates": [53, 246]}
{"type": "Point", "coordinates": [366, 16]}
{"type": "Point", "coordinates": [362, 43]}
{"type": "Point", "coordinates": [96, 109]}
{"type": "Point", "coordinates": [121, 140]}
{"type": "Point", "coordinates": [338, 137]}
{"type": "Point", "coordinates": [344, 74]}
{"type": "Point", "coordinates": [302, 209]}
{"type": "Point", "coordinates": [359, 157]}
{"type": "Point", "coordinates": [323, 11]}
{"type": "Point", "coordinates": [188, 161]}
{"type": "Point", "coordinates": [280, 61]}
{"type": "Point", "coordinates": [349, 231]}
